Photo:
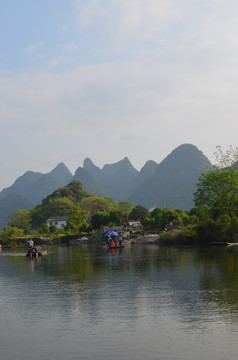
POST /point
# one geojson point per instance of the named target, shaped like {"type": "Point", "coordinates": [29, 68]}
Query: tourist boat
{"type": "Point", "coordinates": [232, 244]}
{"type": "Point", "coordinates": [116, 247]}
{"type": "Point", "coordinates": [36, 253]}
{"type": "Point", "coordinates": [113, 247]}
{"type": "Point", "coordinates": [224, 243]}
{"type": "Point", "coordinates": [219, 243]}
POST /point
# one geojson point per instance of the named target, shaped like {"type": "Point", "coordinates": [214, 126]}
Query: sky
{"type": "Point", "coordinates": [106, 79]}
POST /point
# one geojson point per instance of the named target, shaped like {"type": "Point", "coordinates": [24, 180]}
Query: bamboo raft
{"type": "Point", "coordinates": [36, 253]}
{"type": "Point", "coordinates": [115, 247]}
{"type": "Point", "coordinates": [222, 243]}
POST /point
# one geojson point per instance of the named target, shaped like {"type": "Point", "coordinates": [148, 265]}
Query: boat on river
{"type": "Point", "coordinates": [116, 247]}
{"type": "Point", "coordinates": [224, 243]}
{"type": "Point", "coordinates": [113, 247]}
{"type": "Point", "coordinates": [219, 243]}
{"type": "Point", "coordinates": [232, 244]}
{"type": "Point", "coordinates": [35, 253]}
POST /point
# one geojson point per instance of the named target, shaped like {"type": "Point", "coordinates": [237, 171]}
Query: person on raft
{"type": "Point", "coordinates": [30, 243]}
{"type": "Point", "coordinates": [109, 240]}
{"type": "Point", "coordinates": [113, 244]}
{"type": "Point", "coordinates": [120, 240]}
{"type": "Point", "coordinates": [31, 247]}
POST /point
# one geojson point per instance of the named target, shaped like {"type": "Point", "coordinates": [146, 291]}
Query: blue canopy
{"type": "Point", "coordinates": [111, 233]}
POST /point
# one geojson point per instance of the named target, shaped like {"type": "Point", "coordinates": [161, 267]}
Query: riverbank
{"type": "Point", "coordinates": [170, 238]}
{"type": "Point", "coordinates": [75, 240]}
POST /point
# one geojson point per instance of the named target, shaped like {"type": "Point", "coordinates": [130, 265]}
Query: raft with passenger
{"type": "Point", "coordinates": [116, 247]}
{"type": "Point", "coordinates": [34, 252]}
{"type": "Point", "coordinates": [112, 242]}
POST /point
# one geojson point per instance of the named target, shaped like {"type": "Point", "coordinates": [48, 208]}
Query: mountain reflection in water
{"type": "Point", "coordinates": [132, 303]}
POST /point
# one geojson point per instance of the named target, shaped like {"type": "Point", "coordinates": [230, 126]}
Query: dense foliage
{"type": "Point", "coordinates": [217, 197]}
{"type": "Point", "coordinates": [217, 191]}
{"type": "Point", "coordinates": [77, 218]}
{"type": "Point", "coordinates": [74, 192]}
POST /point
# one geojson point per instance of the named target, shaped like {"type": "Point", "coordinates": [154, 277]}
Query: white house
{"type": "Point", "coordinates": [135, 224]}
{"type": "Point", "coordinates": [59, 221]}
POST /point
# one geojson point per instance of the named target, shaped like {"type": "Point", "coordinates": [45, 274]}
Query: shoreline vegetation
{"type": "Point", "coordinates": [174, 237]}
{"type": "Point", "coordinates": [164, 227]}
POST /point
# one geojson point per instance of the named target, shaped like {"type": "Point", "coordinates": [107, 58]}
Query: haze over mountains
{"type": "Point", "coordinates": [170, 183]}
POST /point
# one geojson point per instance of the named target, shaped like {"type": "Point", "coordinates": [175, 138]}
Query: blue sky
{"type": "Point", "coordinates": [107, 79]}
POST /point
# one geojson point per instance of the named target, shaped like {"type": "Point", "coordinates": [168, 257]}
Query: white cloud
{"type": "Point", "coordinates": [113, 26]}
{"type": "Point", "coordinates": [32, 48]}
{"type": "Point", "coordinates": [121, 25]}
{"type": "Point", "coordinates": [111, 100]}
{"type": "Point", "coordinates": [170, 77]}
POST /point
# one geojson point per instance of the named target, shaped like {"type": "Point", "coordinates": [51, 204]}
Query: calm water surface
{"type": "Point", "coordinates": [141, 303]}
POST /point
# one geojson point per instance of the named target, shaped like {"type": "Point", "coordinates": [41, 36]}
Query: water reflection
{"type": "Point", "coordinates": [135, 303]}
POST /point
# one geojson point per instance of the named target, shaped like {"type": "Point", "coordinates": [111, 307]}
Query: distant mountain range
{"type": "Point", "coordinates": [170, 183]}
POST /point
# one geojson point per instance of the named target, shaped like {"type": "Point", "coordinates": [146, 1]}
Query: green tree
{"type": "Point", "coordinates": [171, 216]}
{"type": "Point", "coordinates": [224, 223]}
{"type": "Point", "coordinates": [59, 207]}
{"type": "Point", "coordinates": [74, 192]}
{"type": "Point", "coordinates": [38, 216]}
{"type": "Point", "coordinates": [44, 229]}
{"type": "Point", "coordinates": [184, 215]}
{"type": "Point", "coordinates": [20, 218]}
{"type": "Point", "coordinates": [200, 213]}
{"type": "Point", "coordinates": [100, 218]}
{"type": "Point", "coordinates": [116, 217]}
{"type": "Point", "coordinates": [207, 231]}
{"type": "Point", "coordinates": [225, 159]}
{"type": "Point", "coordinates": [11, 234]}
{"type": "Point", "coordinates": [193, 219]}
{"type": "Point", "coordinates": [154, 219]}
{"type": "Point", "coordinates": [94, 204]}
{"type": "Point", "coordinates": [51, 207]}
{"type": "Point", "coordinates": [53, 229]}
{"type": "Point", "coordinates": [125, 206]}
{"type": "Point", "coordinates": [218, 189]}
{"type": "Point", "coordinates": [156, 211]}
{"type": "Point", "coordinates": [139, 213]}
{"type": "Point", "coordinates": [77, 218]}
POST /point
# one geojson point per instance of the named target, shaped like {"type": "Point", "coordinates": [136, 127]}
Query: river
{"type": "Point", "coordinates": [138, 303]}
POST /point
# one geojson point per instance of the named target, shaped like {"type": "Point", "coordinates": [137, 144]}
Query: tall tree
{"type": "Point", "coordinates": [94, 204]}
{"type": "Point", "coordinates": [51, 207]}
{"type": "Point", "coordinates": [77, 218]}
{"type": "Point", "coordinates": [218, 189]}
{"type": "Point", "coordinates": [100, 218]}
{"type": "Point", "coordinates": [20, 218]}
{"type": "Point", "coordinates": [125, 206]}
{"type": "Point", "coordinates": [116, 217]}
{"type": "Point", "coordinates": [139, 213]}
{"type": "Point", "coordinates": [228, 158]}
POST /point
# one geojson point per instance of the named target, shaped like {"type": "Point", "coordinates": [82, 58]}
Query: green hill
{"type": "Point", "coordinates": [20, 186]}
{"type": "Point", "coordinates": [87, 180]}
{"type": "Point", "coordinates": [170, 183]}
{"type": "Point", "coordinates": [174, 181]}
{"type": "Point", "coordinates": [73, 191]}
{"type": "Point", "coordinates": [116, 180]}
{"type": "Point", "coordinates": [146, 172]}
{"type": "Point", "coordinates": [12, 202]}
{"type": "Point", "coordinates": [35, 186]}
{"type": "Point", "coordinates": [29, 189]}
